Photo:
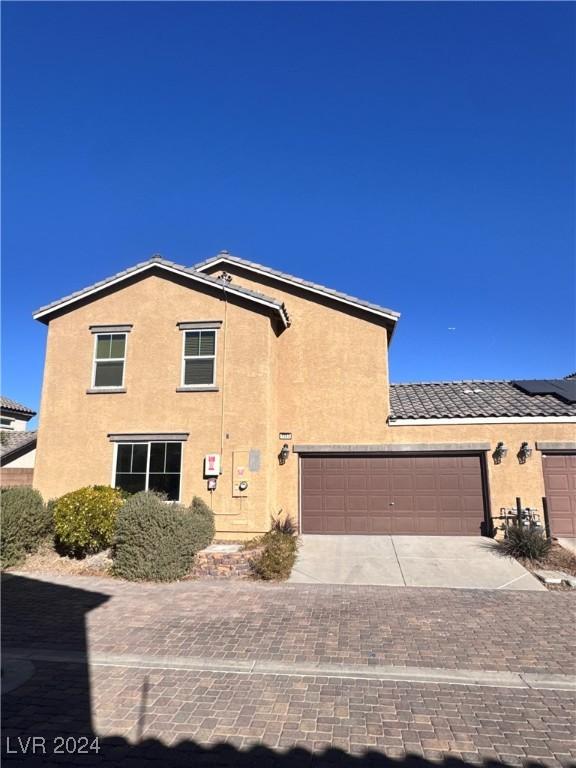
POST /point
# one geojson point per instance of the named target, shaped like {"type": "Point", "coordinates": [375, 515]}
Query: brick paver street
{"type": "Point", "coordinates": [148, 714]}
{"type": "Point", "coordinates": [472, 629]}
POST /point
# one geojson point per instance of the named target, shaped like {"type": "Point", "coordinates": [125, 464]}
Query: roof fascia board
{"type": "Point", "coordinates": [391, 448]}
{"type": "Point", "coordinates": [454, 421]}
{"type": "Point", "coordinates": [155, 265]}
{"type": "Point", "coordinates": [273, 276]}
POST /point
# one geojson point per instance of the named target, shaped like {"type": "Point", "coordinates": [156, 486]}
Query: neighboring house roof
{"type": "Point", "coordinates": [571, 376]}
{"type": "Point", "coordinates": [471, 399]}
{"type": "Point", "coordinates": [14, 444]}
{"type": "Point", "coordinates": [45, 313]}
{"type": "Point", "coordinates": [226, 258]}
{"type": "Point", "coordinates": [11, 405]}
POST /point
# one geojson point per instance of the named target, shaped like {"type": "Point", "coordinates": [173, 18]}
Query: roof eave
{"type": "Point", "coordinates": [46, 313]}
{"type": "Point", "coordinates": [388, 314]}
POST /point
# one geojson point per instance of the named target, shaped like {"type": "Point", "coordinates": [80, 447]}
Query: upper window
{"type": "Point", "coordinates": [109, 360]}
{"type": "Point", "coordinates": [6, 423]}
{"type": "Point", "coordinates": [149, 467]}
{"type": "Point", "coordinates": [199, 358]}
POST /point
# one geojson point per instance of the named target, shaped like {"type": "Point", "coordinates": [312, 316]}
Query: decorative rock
{"type": "Point", "coordinates": [551, 577]}
{"type": "Point", "coordinates": [216, 564]}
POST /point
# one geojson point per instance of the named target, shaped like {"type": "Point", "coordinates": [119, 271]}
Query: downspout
{"type": "Point", "coordinates": [223, 376]}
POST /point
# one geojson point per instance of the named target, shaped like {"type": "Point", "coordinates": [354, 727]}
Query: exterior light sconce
{"type": "Point", "coordinates": [284, 453]}
{"type": "Point", "coordinates": [524, 453]}
{"type": "Point", "coordinates": [499, 453]}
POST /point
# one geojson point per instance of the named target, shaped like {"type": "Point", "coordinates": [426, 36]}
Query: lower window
{"type": "Point", "coordinates": [149, 467]}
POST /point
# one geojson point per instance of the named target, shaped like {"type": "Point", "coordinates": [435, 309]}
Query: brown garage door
{"type": "Point", "coordinates": [424, 495]}
{"type": "Point", "coordinates": [560, 482]}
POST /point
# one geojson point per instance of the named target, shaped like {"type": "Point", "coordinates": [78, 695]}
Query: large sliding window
{"type": "Point", "coordinates": [154, 466]}
{"type": "Point", "coordinates": [109, 360]}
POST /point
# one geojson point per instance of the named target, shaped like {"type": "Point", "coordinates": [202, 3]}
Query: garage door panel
{"type": "Point", "coordinates": [358, 483]}
{"type": "Point", "coordinates": [356, 466]}
{"type": "Point", "coordinates": [334, 465]}
{"type": "Point", "coordinates": [560, 484]}
{"type": "Point", "coordinates": [425, 483]}
{"type": "Point", "coordinates": [357, 503]}
{"type": "Point", "coordinates": [379, 504]}
{"type": "Point", "coordinates": [335, 483]}
{"type": "Point", "coordinates": [334, 503]}
{"type": "Point", "coordinates": [402, 482]}
{"type": "Point", "coordinates": [359, 524]}
{"type": "Point", "coordinates": [425, 495]}
{"type": "Point", "coordinates": [312, 482]}
{"type": "Point", "coordinates": [424, 504]}
{"type": "Point", "coordinates": [378, 483]}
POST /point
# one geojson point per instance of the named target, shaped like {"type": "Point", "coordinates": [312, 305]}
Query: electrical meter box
{"type": "Point", "coordinates": [240, 473]}
{"type": "Point", "coordinates": [212, 465]}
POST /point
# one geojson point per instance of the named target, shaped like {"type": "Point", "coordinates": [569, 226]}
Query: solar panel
{"type": "Point", "coordinates": [563, 389]}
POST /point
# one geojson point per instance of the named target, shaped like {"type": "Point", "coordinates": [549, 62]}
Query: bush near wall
{"type": "Point", "coordinates": [156, 541]}
{"type": "Point", "coordinates": [278, 556]}
{"type": "Point", "coordinates": [85, 520]}
{"type": "Point", "coordinates": [205, 528]}
{"type": "Point", "coordinates": [24, 521]}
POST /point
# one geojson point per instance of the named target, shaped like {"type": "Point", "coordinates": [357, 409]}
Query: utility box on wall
{"type": "Point", "coordinates": [240, 473]}
{"type": "Point", "coordinates": [212, 465]}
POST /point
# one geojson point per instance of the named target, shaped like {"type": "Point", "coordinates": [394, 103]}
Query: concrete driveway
{"type": "Point", "coordinates": [461, 562]}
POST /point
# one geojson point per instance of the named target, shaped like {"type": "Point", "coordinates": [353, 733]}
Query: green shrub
{"type": "Point", "coordinates": [525, 542]}
{"type": "Point", "coordinates": [278, 556]}
{"type": "Point", "coordinates": [25, 521]}
{"type": "Point", "coordinates": [85, 520]}
{"type": "Point", "coordinates": [156, 541]}
{"type": "Point", "coordinates": [203, 525]}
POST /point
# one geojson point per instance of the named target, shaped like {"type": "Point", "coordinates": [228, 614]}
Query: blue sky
{"type": "Point", "coordinates": [420, 156]}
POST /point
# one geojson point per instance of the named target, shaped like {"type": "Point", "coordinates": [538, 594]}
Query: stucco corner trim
{"type": "Point", "coordinates": [146, 437]}
{"type": "Point", "coordinates": [545, 446]}
{"type": "Point", "coordinates": [111, 391]}
{"type": "Point", "coordinates": [126, 328]}
{"type": "Point", "coordinates": [199, 325]}
{"type": "Point", "coordinates": [198, 389]}
{"type": "Point", "coordinates": [393, 448]}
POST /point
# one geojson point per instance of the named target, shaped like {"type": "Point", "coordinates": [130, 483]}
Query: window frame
{"type": "Point", "coordinates": [148, 443]}
{"type": "Point", "coordinates": [185, 357]}
{"type": "Point", "coordinates": [10, 426]}
{"type": "Point", "coordinates": [96, 360]}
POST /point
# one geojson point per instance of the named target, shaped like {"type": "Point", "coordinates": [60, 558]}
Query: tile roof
{"type": "Point", "coordinates": [42, 312]}
{"type": "Point", "coordinates": [12, 405]}
{"type": "Point", "coordinates": [14, 442]}
{"type": "Point", "coordinates": [225, 256]}
{"type": "Point", "coordinates": [470, 399]}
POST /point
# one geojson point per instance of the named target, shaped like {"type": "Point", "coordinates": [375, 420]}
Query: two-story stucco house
{"type": "Point", "coordinates": [276, 391]}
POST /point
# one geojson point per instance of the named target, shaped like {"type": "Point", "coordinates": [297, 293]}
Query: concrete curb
{"type": "Point", "coordinates": [427, 675]}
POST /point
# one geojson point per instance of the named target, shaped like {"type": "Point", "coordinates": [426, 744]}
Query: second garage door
{"type": "Point", "coordinates": [560, 482]}
{"type": "Point", "coordinates": [426, 495]}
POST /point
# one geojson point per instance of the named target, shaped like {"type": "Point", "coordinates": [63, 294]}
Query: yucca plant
{"type": "Point", "coordinates": [282, 524]}
{"type": "Point", "coordinates": [526, 543]}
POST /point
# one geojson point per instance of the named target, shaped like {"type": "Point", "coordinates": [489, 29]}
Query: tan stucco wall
{"type": "Point", "coordinates": [324, 379]}
{"type": "Point", "coordinates": [73, 447]}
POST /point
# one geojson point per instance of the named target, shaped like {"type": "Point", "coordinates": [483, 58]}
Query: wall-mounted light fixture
{"type": "Point", "coordinates": [284, 453]}
{"type": "Point", "coordinates": [524, 453]}
{"type": "Point", "coordinates": [499, 453]}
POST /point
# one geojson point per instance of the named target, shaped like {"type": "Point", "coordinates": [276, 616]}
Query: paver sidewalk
{"type": "Point", "coordinates": [454, 629]}
{"type": "Point", "coordinates": [93, 664]}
